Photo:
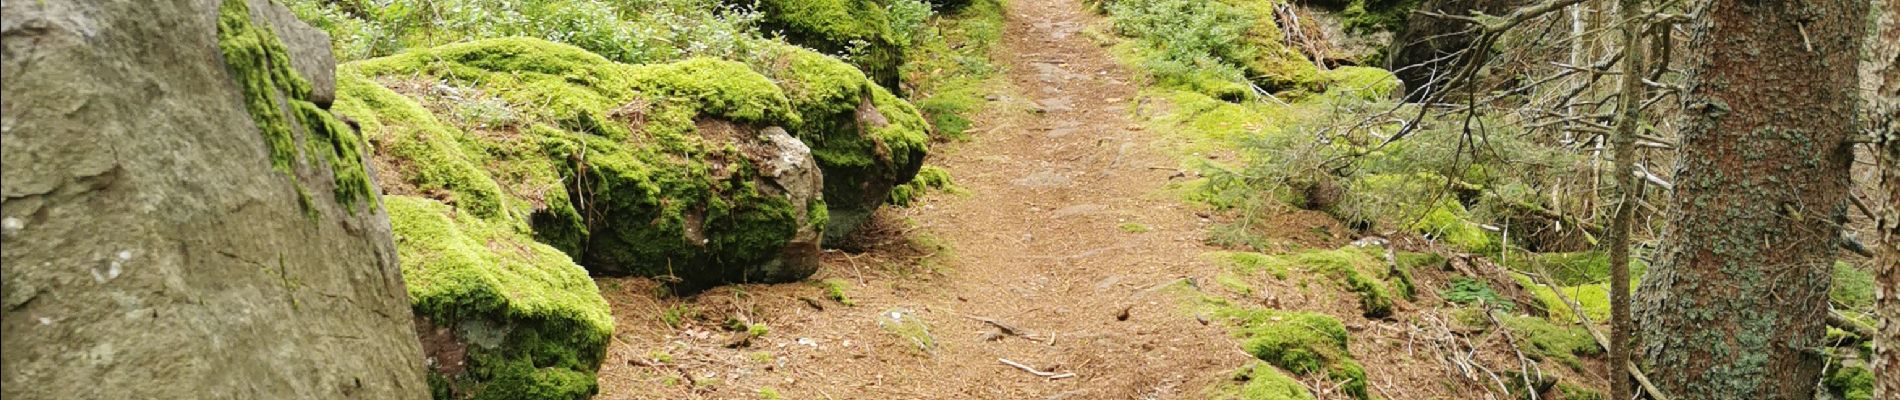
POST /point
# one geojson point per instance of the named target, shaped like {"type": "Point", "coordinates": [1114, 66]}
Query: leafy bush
{"type": "Point", "coordinates": [635, 31]}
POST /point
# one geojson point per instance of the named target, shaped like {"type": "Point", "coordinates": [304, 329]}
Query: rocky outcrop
{"type": "Point", "coordinates": [182, 217]}
{"type": "Point", "coordinates": [518, 166]}
{"type": "Point", "coordinates": [655, 170]}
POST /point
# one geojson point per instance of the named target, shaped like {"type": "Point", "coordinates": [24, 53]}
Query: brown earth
{"type": "Point", "coordinates": [1049, 240]}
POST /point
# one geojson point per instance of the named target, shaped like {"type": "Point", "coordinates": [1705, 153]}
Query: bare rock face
{"type": "Point", "coordinates": [790, 169]}
{"type": "Point", "coordinates": [182, 216]}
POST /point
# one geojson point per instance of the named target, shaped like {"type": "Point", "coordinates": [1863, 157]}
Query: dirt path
{"type": "Point", "coordinates": [1065, 227]}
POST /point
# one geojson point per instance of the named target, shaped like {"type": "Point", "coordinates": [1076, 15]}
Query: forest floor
{"type": "Point", "coordinates": [1064, 232]}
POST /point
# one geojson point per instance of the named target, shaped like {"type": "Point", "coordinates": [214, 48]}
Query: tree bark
{"type": "Point", "coordinates": [1880, 73]}
{"type": "Point", "coordinates": [1736, 306]}
{"type": "Point", "coordinates": [1887, 261]}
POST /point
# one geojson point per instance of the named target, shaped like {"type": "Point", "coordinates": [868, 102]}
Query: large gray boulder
{"type": "Point", "coordinates": [182, 217]}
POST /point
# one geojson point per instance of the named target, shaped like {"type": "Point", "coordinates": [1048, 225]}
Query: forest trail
{"type": "Point", "coordinates": [1065, 226]}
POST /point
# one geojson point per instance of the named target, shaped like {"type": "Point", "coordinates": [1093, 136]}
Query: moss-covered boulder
{"type": "Point", "coordinates": [670, 170]}
{"type": "Point", "coordinates": [865, 139]}
{"type": "Point", "coordinates": [861, 29]}
{"type": "Point", "coordinates": [501, 316]}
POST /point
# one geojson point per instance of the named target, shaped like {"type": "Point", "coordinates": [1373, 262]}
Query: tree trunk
{"type": "Point", "coordinates": [1887, 262]}
{"type": "Point", "coordinates": [1736, 305]}
{"type": "Point", "coordinates": [1880, 73]}
{"type": "Point", "coordinates": [1629, 109]}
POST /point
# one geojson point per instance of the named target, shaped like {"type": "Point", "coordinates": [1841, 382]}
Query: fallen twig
{"type": "Point", "coordinates": [1000, 325]}
{"type": "Point", "coordinates": [1051, 375]}
{"type": "Point", "coordinates": [1838, 320]}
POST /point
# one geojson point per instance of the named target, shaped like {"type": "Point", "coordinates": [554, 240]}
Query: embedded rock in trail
{"type": "Point", "coordinates": [866, 139]}
{"type": "Point", "coordinates": [182, 217]}
{"type": "Point", "coordinates": [662, 170]}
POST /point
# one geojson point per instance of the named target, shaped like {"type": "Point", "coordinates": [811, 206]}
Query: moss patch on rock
{"type": "Point", "coordinates": [632, 169]}
{"type": "Point", "coordinates": [929, 178]}
{"type": "Point", "coordinates": [867, 140]}
{"type": "Point", "coordinates": [533, 323]}
{"type": "Point", "coordinates": [279, 101]}
{"type": "Point", "coordinates": [861, 29]}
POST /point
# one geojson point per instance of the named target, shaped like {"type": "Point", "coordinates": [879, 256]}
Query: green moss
{"type": "Point", "coordinates": [929, 178]}
{"type": "Point", "coordinates": [1259, 381]}
{"type": "Point", "coordinates": [909, 328]}
{"type": "Point", "coordinates": [949, 69]}
{"type": "Point", "coordinates": [1448, 224]}
{"type": "Point", "coordinates": [1298, 342]}
{"type": "Point", "coordinates": [867, 141]}
{"type": "Point", "coordinates": [261, 65]}
{"type": "Point", "coordinates": [651, 193]}
{"type": "Point", "coordinates": [1377, 15]}
{"type": "Point", "coordinates": [535, 323]}
{"type": "Point", "coordinates": [1215, 48]}
{"type": "Point", "coordinates": [1251, 263]}
{"type": "Point", "coordinates": [1361, 83]}
{"type": "Point", "coordinates": [1574, 392]}
{"type": "Point", "coordinates": [402, 129]}
{"type": "Point", "coordinates": [1594, 299]}
{"type": "Point", "coordinates": [1543, 340]}
{"type": "Point", "coordinates": [1132, 227]}
{"type": "Point", "coordinates": [1572, 268]}
{"type": "Point", "coordinates": [1234, 283]}
{"type": "Point", "coordinates": [838, 290]}
{"type": "Point", "coordinates": [768, 394]}
{"type": "Point", "coordinates": [1853, 287]}
{"type": "Point", "coordinates": [861, 28]}
{"type": "Point", "coordinates": [1851, 383]}
{"type": "Point", "coordinates": [1362, 271]}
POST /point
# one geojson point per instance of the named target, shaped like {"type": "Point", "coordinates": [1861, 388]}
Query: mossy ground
{"type": "Point", "coordinates": [1259, 381]}
{"type": "Point", "coordinates": [1301, 343]}
{"type": "Point", "coordinates": [949, 68]}
{"type": "Point", "coordinates": [1361, 271]}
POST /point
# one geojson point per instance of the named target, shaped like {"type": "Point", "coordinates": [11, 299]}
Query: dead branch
{"type": "Point", "coordinates": [1051, 375]}
{"type": "Point", "coordinates": [1838, 320]}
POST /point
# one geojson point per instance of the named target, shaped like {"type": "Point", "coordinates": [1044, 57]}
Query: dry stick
{"type": "Point", "coordinates": [1838, 320]}
{"type": "Point", "coordinates": [1641, 378]}
{"type": "Point", "coordinates": [1524, 363]}
{"type": "Point", "coordinates": [1051, 375]}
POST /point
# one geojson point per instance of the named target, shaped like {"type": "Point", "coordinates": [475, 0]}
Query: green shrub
{"type": "Point", "coordinates": [636, 32]}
